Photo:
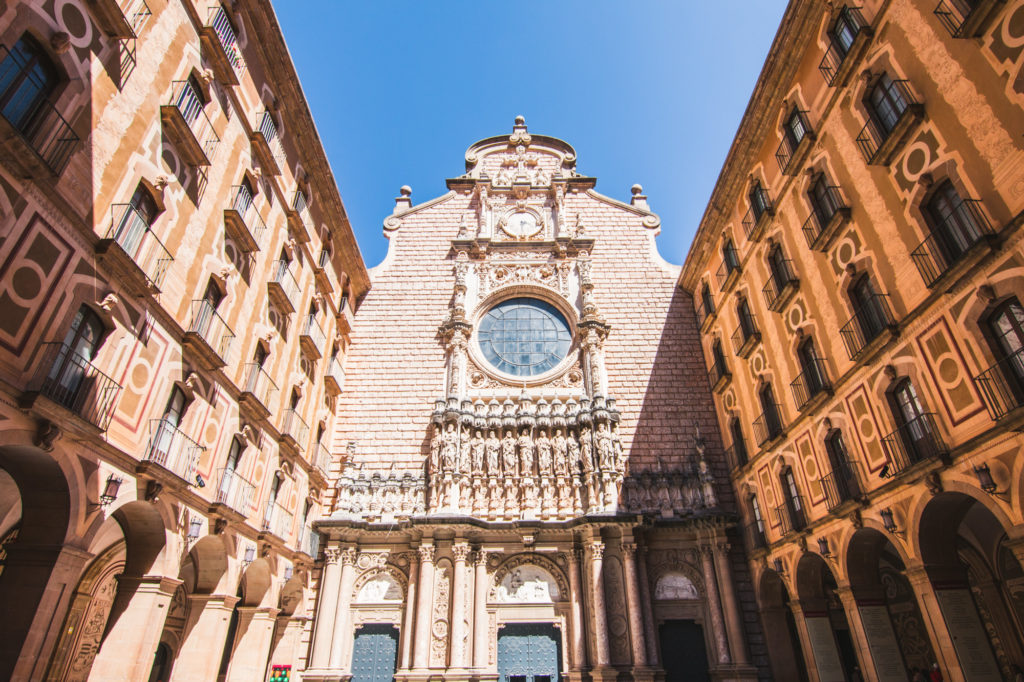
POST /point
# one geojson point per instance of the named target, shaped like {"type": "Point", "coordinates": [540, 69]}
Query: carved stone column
{"type": "Point", "coordinates": [423, 607]}
{"type": "Point", "coordinates": [636, 627]}
{"type": "Point", "coordinates": [480, 624]}
{"type": "Point", "coordinates": [645, 605]}
{"type": "Point", "coordinates": [342, 613]}
{"type": "Point", "coordinates": [599, 619]}
{"type": "Point", "coordinates": [408, 623]}
{"type": "Point", "coordinates": [714, 605]}
{"type": "Point", "coordinates": [330, 582]}
{"type": "Point", "coordinates": [733, 624]}
{"type": "Point", "coordinates": [460, 551]}
{"type": "Point", "coordinates": [576, 596]}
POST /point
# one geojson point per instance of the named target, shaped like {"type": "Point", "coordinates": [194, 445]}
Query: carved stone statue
{"type": "Point", "coordinates": [477, 450]}
{"type": "Point", "coordinates": [603, 440]}
{"type": "Point", "coordinates": [526, 452]}
{"type": "Point", "coordinates": [586, 450]}
{"type": "Point", "coordinates": [464, 451]}
{"type": "Point", "coordinates": [561, 448]}
{"type": "Point", "coordinates": [543, 444]}
{"type": "Point", "coordinates": [617, 457]}
{"type": "Point", "coordinates": [435, 452]}
{"type": "Point", "coordinates": [508, 454]}
{"type": "Point", "coordinates": [492, 448]}
{"type": "Point", "coordinates": [449, 447]}
{"type": "Point", "coordinates": [573, 454]}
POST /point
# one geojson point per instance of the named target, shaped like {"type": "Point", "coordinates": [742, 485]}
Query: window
{"type": "Point", "coordinates": [732, 261]}
{"type": "Point", "coordinates": [230, 466]}
{"type": "Point", "coordinates": [747, 325]}
{"type": "Point", "coordinates": [191, 100]}
{"type": "Point", "coordinates": [812, 368]}
{"type": "Point", "coordinates": [739, 445]}
{"type": "Point", "coordinates": [758, 200]}
{"type": "Point", "coordinates": [707, 300]}
{"type": "Point", "coordinates": [524, 336]}
{"type": "Point", "coordinates": [206, 309]}
{"type": "Point", "coordinates": [27, 79]}
{"type": "Point", "coordinates": [844, 31]}
{"type": "Point", "coordinates": [718, 357]}
{"type": "Point", "coordinates": [823, 204]}
{"type": "Point", "coordinates": [770, 413]}
{"type": "Point", "coordinates": [244, 196]}
{"type": "Point", "coordinates": [169, 423]}
{"type": "Point", "coordinates": [136, 221]}
{"type": "Point", "coordinates": [275, 488]}
{"type": "Point", "coordinates": [914, 428]}
{"type": "Point", "coordinates": [886, 103]}
{"type": "Point", "coordinates": [67, 376]}
{"type": "Point", "coordinates": [870, 317]}
{"type": "Point", "coordinates": [953, 225]}
{"type": "Point", "coordinates": [841, 485]}
{"type": "Point", "coordinates": [755, 509]}
{"type": "Point", "coordinates": [779, 267]}
{"type": "Point", "coordinates": [795, 129]}
{"type": "Point", "coordinates": [794, 504]}
{"type": "Point", "coordinates": [1006, 334]}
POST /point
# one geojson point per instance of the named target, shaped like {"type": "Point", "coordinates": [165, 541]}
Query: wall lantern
{"type": "Point", "coordinates": [110, 490]}
{"type": "Point", "coordinates": [777, 563]}
{"type": "Point", "coordinates": [288, 572]}
{"type": "Point", "coordinates": [823, 549]}
{"type": "Point", "coordinates": [250, 554]}
{"type": "Point", "coordinates": [985, 480]}
{"type": "Point", "coordinates": [888, 521]}
{"type": "Point", "coordinates": [194, 527]}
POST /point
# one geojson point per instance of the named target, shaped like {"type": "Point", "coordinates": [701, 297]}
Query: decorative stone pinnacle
{"type": "Point", "coordinates": [520, 120]}
{"type": "Point", "coordinates": [637, 189]}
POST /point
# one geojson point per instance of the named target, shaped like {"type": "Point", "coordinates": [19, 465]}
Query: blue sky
{"type": "Point", "coordinates": [646, 91]}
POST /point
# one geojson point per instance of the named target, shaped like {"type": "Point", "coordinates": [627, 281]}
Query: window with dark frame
{"type": "Point", "coordinates": [885, 103]}
{"type": "Point", "coordinates": [732, 261]}
{"type": "Point", "coordinates": [796, 128]}
{"type": "Point", "coordinates": [870, 317]}
{"type": "Point", "coordinates": [770, 410]}
{"type": "Point", "coordinates": [822, 203]}
{"type": "Point", "coordinates": [758, 200]}
{"type": "Point", "coordinates": [951, 222]}
{"type": "Point", "coordinates": [844, 32]}
{"type": "Point", "coordinates": [707, 300]}
{"type": "Point", "coordinates": [28, 77]}
{"type": "Point", "coordinates": [746, 318]}
{"type": "Point", "coordinates": [739, 445]}
{"type": "Point", "coordinates": [914, 429]}
{"type": "Point", "coordinates": [1005, 330]}
{"type": "Point", "coordinates": [793, 502]}
{"type": "Point", "coordinates": [810, 364]}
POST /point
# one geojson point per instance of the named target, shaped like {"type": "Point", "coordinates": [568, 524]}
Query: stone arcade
{"type": "Point", "coordinates": [526, 490]}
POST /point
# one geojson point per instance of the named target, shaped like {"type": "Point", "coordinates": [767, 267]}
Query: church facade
{"type": "Point", "coordinates": [532, 484]}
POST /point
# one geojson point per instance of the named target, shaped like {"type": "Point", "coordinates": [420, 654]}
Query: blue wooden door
{"type": "Point", "coordinates": [529, 652]}
{"type": "Point", "coordinates": [375, 653]}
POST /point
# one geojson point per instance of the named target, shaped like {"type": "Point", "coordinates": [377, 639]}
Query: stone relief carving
{"type": "Point", "coordinates": [380, 588]}
{"type": "Point", "coordinates": [675, 586]}
{"type": "Point", "coordinates": [527, 584]}
{"type": "Point", "coordinates": [439, 628]}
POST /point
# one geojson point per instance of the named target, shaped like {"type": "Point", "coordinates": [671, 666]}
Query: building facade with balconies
{"type": "Point", "coordinates": [176, 284]}
{"type": "Point", "coordinates": [872, 397]}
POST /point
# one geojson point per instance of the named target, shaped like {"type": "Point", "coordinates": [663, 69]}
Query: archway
{"type": "Point", "coordinates": [964, 547]}
{"type": "Point", "coordinates": [785, 651]}
{"type": "Point", "coordinates": [828, 631]}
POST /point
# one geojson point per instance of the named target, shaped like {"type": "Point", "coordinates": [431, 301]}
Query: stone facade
{"type": "Point", "coordinates": [163, 378]}
{"type": "Point", "coordinates": [858, 283]}
{"type": "Point", "coordinates": [594, 485]}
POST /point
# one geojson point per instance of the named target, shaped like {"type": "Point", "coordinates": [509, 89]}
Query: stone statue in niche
{"type": "Point", "coordinates": [586, 450]}
{"type": "Point", "coordinates": [561, 449]}
{"type": "Point", "coordinates": [464, 450]}
{"type": "Point", "coordinates": [477, 449]}
{"type": "Point", "coordinates": [526, 452]}
{"type": "Point", "coordinates": [449, 447]}
{"type": "Point", "coordinates": [435, 451]}
{"type": "Point", "coordinates": [603, 439]}
{"type": "Point", "coordinates": [573, 452]}
{"type": "Point", "coordinates": [617, 456]}
{"type": "Point", "coordinates": [508, 454]}
{"type": "Point", "coordinates": [543, 445]}
{"type": "Point", "coordinates": [492, 448]}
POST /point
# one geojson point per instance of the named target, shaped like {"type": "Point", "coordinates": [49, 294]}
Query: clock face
{"type": "Point", "coordinates": [521, 225]}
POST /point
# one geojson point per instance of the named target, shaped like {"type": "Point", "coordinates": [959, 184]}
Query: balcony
{"type": "Point", "coordinates": [782, 285]}
{"type": "Point", "coordinates": [133, 252]}
{"type": "Point", "coordinates": [282, 288]}
{"type": "Point", "coordinates": [234, 493]}
{"type": "Point", "coordinates": [840, 486]}
{"type": "Point", "coordinates": [736, 455]}
{"type": "Point", "coordinates": [321, 459]}
{"type": "Point", "coordinates": [70, 383]}
{"type": "Point", "coordinates": [36, 139]}
{"type": "Point", "coordinates": [755, 221]}
{"type": "Point", "coordinates": [827, 219]}
{"type": "Point", "coordinates": [208, 337]}
{"type": "Point", "coordinates": [334, 377]}
{"type": "Point", "coordinates": [258, 394]}
{"type": "Point", "coordinates": [746, 337]}
{"type": "Point", "coordinates": [754, 533]}
{"type": "Point", "coordinates": [243, 224]}
{"type": "Point", "coordinates": [220, 46]}
{"type": "Point", "coordinates": [811, 386]}
{"type": "Point", "coordinates": [294, 431]}
{"type": "Point", "coordinates": [967, 18]}
{"type": "Point", "coordinates": [299, 222]}
{"type": "Point", "coordinates": [322, 271]}
{"type": "Point", "coordinates": [120, 18]}
{"type": "Point", "coordinates": [277, 521]}
{"type": "Point", "coordinates": [878, 145]}
{"type": "Point", "coordinates": [719, 376]}
{"type": "Point", "coordinates": [791, 152]}
{"type": "Point", "coordinates": [172, 451]}
{"type": "Point", "coordinates": [950, 249]}
{"type": "Point", "coordinates": [916, 441]}
{"type": "Point", "coordinates": [768, 426]}
{"type": "Point", "coordinates": [790, 517]}
{"type": "Point", "coordinates": [838, 64]}
{"type": "Point", "coordinates": [312, 338]}
{"type": "Point", "coordinates": [267, 144]}
{"type": "Point", "coordinates": [187, 126]}
{"type": "Point", "coordinates": [346, 317]}
{"type": "Point", "coordinates": [310, 542]}
{"type": "Point", "coordinates": [870, 328]}
{"type": "Point", "coordinates": [1002, 385]}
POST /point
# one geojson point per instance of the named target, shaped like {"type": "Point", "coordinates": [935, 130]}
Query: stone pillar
{"type": "Point", "coordinates": [877, 651]}
{"type": "Point", "coordinates": [480, 624]}
{"type": "Point", "coordinates": [460, 644]}
{"type": "Point", "coordinates": [342, 612]}
{"type": "Point", "coordinates": [733, 624]}
{"type": "Point", "coordinates": [931, 613]}
{"type": "Point", "coordinates": [650, 637]}
{"type": "Point", "coordinates": [423, 607]}
{"type": "Point", "coordinates": [408, 621]}
{"type": "Point", "coordinates": [252, 643]}
{"type": "Point", "coordinates": [576, 596]}
{"type": "Point", "coordinates": [209, 616]}
{"type": "Point", "coordinates": [132, 639]}
{"type": "Point", "coordinates": [636, 627]}
{"type": "Point", "coordinates": [330, 582]}
{"type": "Point", "coordinates": [714, 606]}
{"type": "Point", "coordinates": [598, 617]}
{"type": "Point", "coordinates": [810, 659]}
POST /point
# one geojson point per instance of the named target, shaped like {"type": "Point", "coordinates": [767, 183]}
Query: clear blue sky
{"type": "Point", "coordinates": [646, 91]}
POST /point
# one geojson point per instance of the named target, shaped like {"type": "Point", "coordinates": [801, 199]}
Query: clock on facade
{"type": "Point", "coordinates": [524, 337]}
{"type": "Point", "coordinates": [521, 225]}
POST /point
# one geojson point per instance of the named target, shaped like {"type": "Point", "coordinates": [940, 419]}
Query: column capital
{"type": "Point", "coordinates": [595, 548]}
{"type": "Point", "coordinates": [573, 556]}
{"type": "Point", "coordinates": [348, 556]}
{"type": "Point", "coordinates": [481, 556]}
{"type": "Point", "coordinates": [629, 550]}
{"type": "Point", "coordinates": [426, 553]}
{"type": "Point", "coordinates": [460, 550]}
{"type": "Point", "coordinates": [332, 554]}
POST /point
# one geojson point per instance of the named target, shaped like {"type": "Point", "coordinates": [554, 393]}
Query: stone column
{"type": "Point", "coordinates": [342, 612]}
{"type": "Point", "coordinates": [733, 624]}
{"type": "Point", "coordinates": [875, 647]}
{"type": "Point", "coordinates": [460, 550]}
{"type": "Point", "coordinates": [423, 607]}
{"type": "Point", "coordinates": [209, 618]}
{"type": "Point", "coordinates": [931, 613]}
{"type": "Point", "coordinates": [480, 624]}
{"type": "Point", "coordinates": [252, 643]}
{"type": "Point", "coordinates": [330, 582]}
{"type": "Point", "coordinates": [599, 619]}
{"type": "Point", "coordinates": [714, 605]}
{"type": "Point", "coordinates": [408, 621]}
{"type": "Point", "coordinates": [576, 597]}
{"type": "Point", "coordinates": [636, 627]}
{"type": "Point", "coordinates": [645, 605]}
{"type": "Point", "coordinates": [132, 639]}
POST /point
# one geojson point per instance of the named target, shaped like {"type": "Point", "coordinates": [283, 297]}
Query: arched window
{"type": "Point", "coordinates": [794, 504]}
{"type": "Point", "coordinates": [841, 484]}
{"type": "Point", "coordinates": [739, 445]}
{"type": "Point", "coordinates": [747, 325]}
{"type": "Point", "coordinates": [824, 200]}
{"type": "Point", "coordinates": [953, 222]}
{"type": "Point", "coordinates": [915, 438]}
{"type": "Point", "coordinates": [28, 78]}
{"type": "Point", "coordinates": [169, 450]}
{"type": "Point", "coordinates": [781, 276]}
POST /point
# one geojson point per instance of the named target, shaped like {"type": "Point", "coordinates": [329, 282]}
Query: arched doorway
{"type": "Point", "coordinates": [966, 556]}
{"type": "Point", "coordinates": [529, 652]}
{"type": "Point", "coordinates": [785, 651]}
{"type": "Point", "coordinates": [828, 631]}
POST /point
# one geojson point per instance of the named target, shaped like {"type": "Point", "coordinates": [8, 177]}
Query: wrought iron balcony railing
{"type": "Point", "coordinates": [835, 59]}
{"type": "Point", "coordinates": [210, 327]}
{"type": "Point", "coordinates": [173, 450]}
{"type": "Point", "coordinates": [758, 215]}
{"type": "Point", "coordinates": [220, 23]}
{"type": "Point", "coordinates": [867, 324]}
{"type": "Point", "coordinates": [829, 210]}
{"type": "Point", "coordinates": [282, 287]}
{"type": "Point", "coordinates": [243, 223]}
{"type": "Point", "coordinates": [780, 286]}
{"type": "Point", "coordinates": [790, 517]}
{"type": "Point", "coordinates": [277, 520]}
{"type": "Point", "coordinates": [755, 535]}
{"type": "Point", "coordinates": [235, 492]}
{"type": "Point", "coordinates": [877, 142]}
{"type": "Point", "coordinates": [718, 374]}
{"type": "Point", "coordinates": [334, 376]}
{"type": "Point", "coordinates": [1002, 385]}
{"type": "Point", "coordinates": [322, 458]}
{"type": "Point", "coordinates": [312, 337]}
{"type": "Point", "coordinates": [964, 18]}
{"type": "Point", "coordinates": [787, 153]}
{"type": "Point", "coordinates": [71, 381]}
{"type": "Point", "coordinates": [299, 221]}
{"type": "Point", "coordinates": [703, 311]}
{"type": "Point", "coordinates": [268, 143]}
{"type": "Point", "coordinates": [295, 428]}
{"type": "Point", "coordinates": [950, 240]}
{"type": "Point", "coordinates": [768, 425]}
{"type": "Point", "coordinates": [187, 125]}
{"type": "Point", "coordinates": [914, 442]}
{"type": "Point", "coordinates": [810, 383]}
{"type": "Point", "coordinates": [745, 336]}
{"type": "Point", "coordinates": [36, 121]}
{"type": "Point", "coordinates": [310, 544]}
{"type": "Point", "coordinates": [729, 269]}
{"type": "Point", "coordinates": [130, 231]}
{"type": "Point", "coordinates": [120, 18]}
{"type": "Point", "coordinates": [840, 486]}
{"type": "Point", "coordinates": [736, 454]}
{"type": "Point", "coordinates": [259, 386]}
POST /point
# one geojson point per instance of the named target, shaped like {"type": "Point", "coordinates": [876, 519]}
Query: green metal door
{"type": "Point", "coordinates": [529, 652]}
{"type": "Point", "coordinates": [375, 653]}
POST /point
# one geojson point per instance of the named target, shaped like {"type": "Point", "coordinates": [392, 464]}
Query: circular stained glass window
{"type": "Point", "coordinates": [524, 337]}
